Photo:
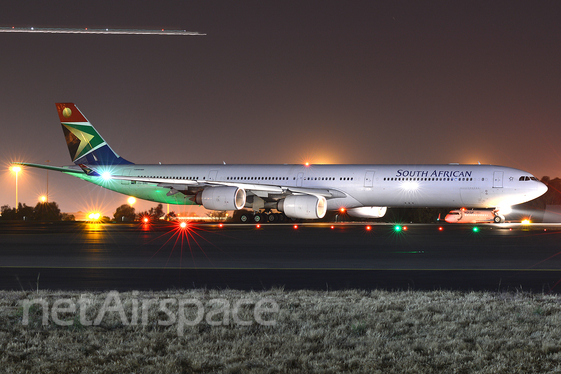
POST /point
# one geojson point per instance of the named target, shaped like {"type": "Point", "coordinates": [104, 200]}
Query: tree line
{"type": "Point", "coordinates": [43, 211]}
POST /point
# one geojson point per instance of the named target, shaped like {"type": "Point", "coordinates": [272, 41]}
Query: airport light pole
{"type": "Point", "coordinates": [47, 196]}
{"type": "Point", "coordinates": [16, 169]}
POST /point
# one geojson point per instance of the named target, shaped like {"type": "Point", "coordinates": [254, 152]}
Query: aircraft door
{"type": "Point", "coordinates": [126, 173]}
{"type": "Point", "coordinates": [299, 179]}
{"type": "Point", "coordinates": [369, 179]}
{"type": "Point", "coordinates": [498, 179]}
{"type": "Point", "coordinates": [212, 175]}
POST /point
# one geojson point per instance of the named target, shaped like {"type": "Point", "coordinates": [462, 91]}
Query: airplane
{"type": "Point", "coordinates": [473, 216]}
{"type": "Point", "coordinates": [295, 191]}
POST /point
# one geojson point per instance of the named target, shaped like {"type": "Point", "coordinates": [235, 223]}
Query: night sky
{"type": "Point", "coordinates": [361, 82]}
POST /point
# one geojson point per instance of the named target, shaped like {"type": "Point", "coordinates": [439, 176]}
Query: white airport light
{"type": "Point", "coordinates": [504, 210]}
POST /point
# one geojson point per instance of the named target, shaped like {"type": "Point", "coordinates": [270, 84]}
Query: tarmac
{"type": "Point", "coordinates": [319, 256]}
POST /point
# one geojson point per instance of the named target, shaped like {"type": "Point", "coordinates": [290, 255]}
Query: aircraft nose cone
{"type": "Point", "coordinates": [542, 189]}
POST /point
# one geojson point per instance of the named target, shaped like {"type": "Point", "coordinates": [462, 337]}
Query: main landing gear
{"type": "Point", "coordinates": [262, 217]}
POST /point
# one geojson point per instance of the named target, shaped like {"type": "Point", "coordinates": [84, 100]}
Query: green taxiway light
{"type": "Point", "coordinates": [397, 228]}
{"type": "Point", "coordinates": [476, 229]}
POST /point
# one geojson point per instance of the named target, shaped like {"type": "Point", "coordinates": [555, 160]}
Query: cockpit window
{"type": "Point", "coordinates": [527, 178]}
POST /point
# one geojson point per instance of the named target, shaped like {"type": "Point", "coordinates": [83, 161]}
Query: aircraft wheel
{"type": "Point", "coordinates": [258, 218]}
{"type": "Point", "coordinates": [498, 219]}
{"type": "Point", "coordinates": [272, 218]}
{"type": "Point", "coordinates": [281, 217]}
{"type": "Point", "coordinates": [244, 218]}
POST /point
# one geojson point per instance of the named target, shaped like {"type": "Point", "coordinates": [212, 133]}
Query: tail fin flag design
{"type": "Point", "coordinates": [84, 143]}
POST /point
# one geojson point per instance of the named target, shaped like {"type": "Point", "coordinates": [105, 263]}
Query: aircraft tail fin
{"type": "Point", "coordinates": [84, 143]}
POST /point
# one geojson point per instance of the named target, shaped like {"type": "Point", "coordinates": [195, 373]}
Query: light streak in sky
{"type": "Point", "coordinates": [87, 30]}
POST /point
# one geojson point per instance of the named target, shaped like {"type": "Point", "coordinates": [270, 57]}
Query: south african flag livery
{"type": "Point", "coordinates": [84, 143]}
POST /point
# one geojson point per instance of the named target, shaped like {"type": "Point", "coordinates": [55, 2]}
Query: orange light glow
{"type": "Point", "coordinates": [145, 220]}
{"type": "Point", "coordinates": [342, 210]}
{"type": "Point", "coordinates": [368, 228]}
{"type": "Point", "coordinates": [94, 216]}
{"type": "Point", "coordinates": [183, 225]}
{"type": "Point", "coordinates": [307, 164]}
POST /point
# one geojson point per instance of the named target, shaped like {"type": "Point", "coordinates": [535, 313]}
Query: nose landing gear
{"type": "Point", "coordinates": [499, 219]}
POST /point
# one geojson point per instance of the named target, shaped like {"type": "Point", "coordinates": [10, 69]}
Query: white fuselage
{"type": "Point", "coordinates": [475, 186]}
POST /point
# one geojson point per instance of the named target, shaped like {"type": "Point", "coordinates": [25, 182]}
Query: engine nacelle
{"type": "Point", "coordinates": [303, 206]}
{"type": "Point", "coordinates": [222, 198]}
{"type": "Point", "coordinates": [368, 212]}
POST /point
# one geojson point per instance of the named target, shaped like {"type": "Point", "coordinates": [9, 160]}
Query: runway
{"type": "Point", "coordinates": [79, 256]}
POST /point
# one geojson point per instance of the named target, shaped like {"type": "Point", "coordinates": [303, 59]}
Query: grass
{"type": "Point", "coordinates": [323, 332]}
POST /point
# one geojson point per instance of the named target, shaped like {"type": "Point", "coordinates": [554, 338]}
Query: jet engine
{"type": "Point", "coordinates": [368, 212]}
{"type": "Point", "coordinates": [221, 198]}
{"type": "Point", "coordinates": [303, 206]}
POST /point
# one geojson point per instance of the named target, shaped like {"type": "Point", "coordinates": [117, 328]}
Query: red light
{"type": "Point", "coordinates": [220, 225]}
{"type": "Point", "coordinates": [404, 228]}
{"type": "Point", "coordinates": [258, 226]}
{"type": "Point", "coordinates": [440, 228]}
{"type": "Point", "coordinates": [183, 225]}
{"type": "Point", "coordinates": [332, 227]}
{"type": "Point", "coordinates": [368, 228]}
{"type": "Point", "coordinates": [295, 227]}
{"type": "Point", "coordinates": [342, 210]}
{"type": "Point", "coordinates": [145, 220]}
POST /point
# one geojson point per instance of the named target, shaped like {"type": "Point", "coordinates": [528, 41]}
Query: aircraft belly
{"type": "Point", "coordinates": [399, 197]}
{"type": "Point", "coordinates": [471, 196]}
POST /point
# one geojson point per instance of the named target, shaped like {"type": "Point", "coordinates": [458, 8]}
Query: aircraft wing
{"type": "Point", "coordinates": [261, 190]}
